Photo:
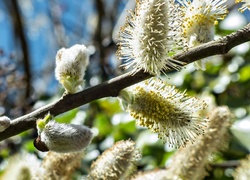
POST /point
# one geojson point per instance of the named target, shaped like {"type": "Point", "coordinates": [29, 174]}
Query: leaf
{"type": "Point", "coordinates": [245, 73]}
{"type": "Point", "coordinates": [102, 123]}
{"type": "Point", "coordinates": [67, 117]}
{"type": "Point", "coordinates": [111, 106]}
{"type": "Point", "coordinates": [28, 146]}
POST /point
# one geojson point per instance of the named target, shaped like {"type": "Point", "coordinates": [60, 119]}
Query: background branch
{"type": "Point", "coordinates": [226, 164]}
{"type": "Point", "coordinates": [19, 31]}
{"type": "Point", "coordinates": [113, 86]}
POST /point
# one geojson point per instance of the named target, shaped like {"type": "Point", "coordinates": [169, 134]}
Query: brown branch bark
{"type": "Point", "coordinates": [226, 164]}
{"type": "Point", "coordinates": [112, 87]}
{"type": "Point", "coordinates": [19, 30]}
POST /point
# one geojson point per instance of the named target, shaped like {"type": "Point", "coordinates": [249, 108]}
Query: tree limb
{"type": "Point", "coordinates": [113, 86]}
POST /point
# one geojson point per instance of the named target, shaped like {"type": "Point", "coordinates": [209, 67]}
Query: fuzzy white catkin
{"type": "Point", "coordinates": [4, 123]}
{"type": "Point", "coordinates": [198, 21]}
{"type": "Point", "coordinates": [165, 111]}
{"type": "Point", "coordinates": [149, 37]}
{"type": "Point", "coordinates": [59, 166]}
{"type": "Point", "coordinates": [117, 162]}
{"type": "Point", "coordinates": [192, 162]}
{"type": "Point", "coordinates": [65, 138]}
{"type": "Point", "coordinates": [71, 65]}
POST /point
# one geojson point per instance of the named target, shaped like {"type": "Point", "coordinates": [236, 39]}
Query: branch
{"type": "Point", "coordinates": [226, 164]}
{"type": "Point", "coordinates": [113, 86]}
{"type": "Point", "coordinates": [19, 30]}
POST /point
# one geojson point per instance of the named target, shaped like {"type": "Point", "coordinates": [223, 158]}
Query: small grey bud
{"type": "Point", "coordinates": [4, 123]}
{"type": "Point", "coordinates": [64, 138]}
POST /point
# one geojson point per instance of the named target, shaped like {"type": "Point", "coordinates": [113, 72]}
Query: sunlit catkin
{"type": "Point", "coordinates": [150, 36]}
{"type": "Point", "coordinates": [71, 65]}
{"type": "Point", "coordinates": [199, 19]}
{"type": "Point", "coordinates": [59, 166]}
{"type": "Point", "coordinates": [117, 162]}
{"type": "Point", "coordinates": [165, 111]}
{"type": "Point", "coordinates": [191, 162]}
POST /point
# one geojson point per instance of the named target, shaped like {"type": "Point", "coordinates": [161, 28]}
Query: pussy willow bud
{"type": "Point", "coordinates": [118, 162]}
{"type": "Point", "coordinates": [4, 123]}
{"type": "Point", "coordinates": [71, 65]}
{"type": "Point", "coordinates": [199, 19]}
{"type": "Point", "coordinates": [62, 138]}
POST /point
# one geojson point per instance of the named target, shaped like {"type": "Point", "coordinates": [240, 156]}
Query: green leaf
{"type": "Point", "coordinates": [102, 123]}
{"type": "Point", "coordinates": [28, 146]}
{"type": "Point", "coordinates": [124, 130]}
{"type": "Point", "coordinates": [110, 105]}
{"type": "Point", "coordinates": [245, 73]}
{"type": "Point", "coordinates": [67, 117]}
{"type": "Point", "coordinates": [128, 127]}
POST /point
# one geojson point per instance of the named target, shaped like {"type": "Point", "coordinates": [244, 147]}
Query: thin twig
{"type": "Point", "coordinates": [226, 164]}
{"type": "Point", "coordinates": [112, 87]}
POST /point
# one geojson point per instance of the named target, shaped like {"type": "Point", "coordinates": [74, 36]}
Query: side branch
{"type": "Point", "coordinates": [113, 86]}
{"type": "Point", "coordinates": [221, 46]}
